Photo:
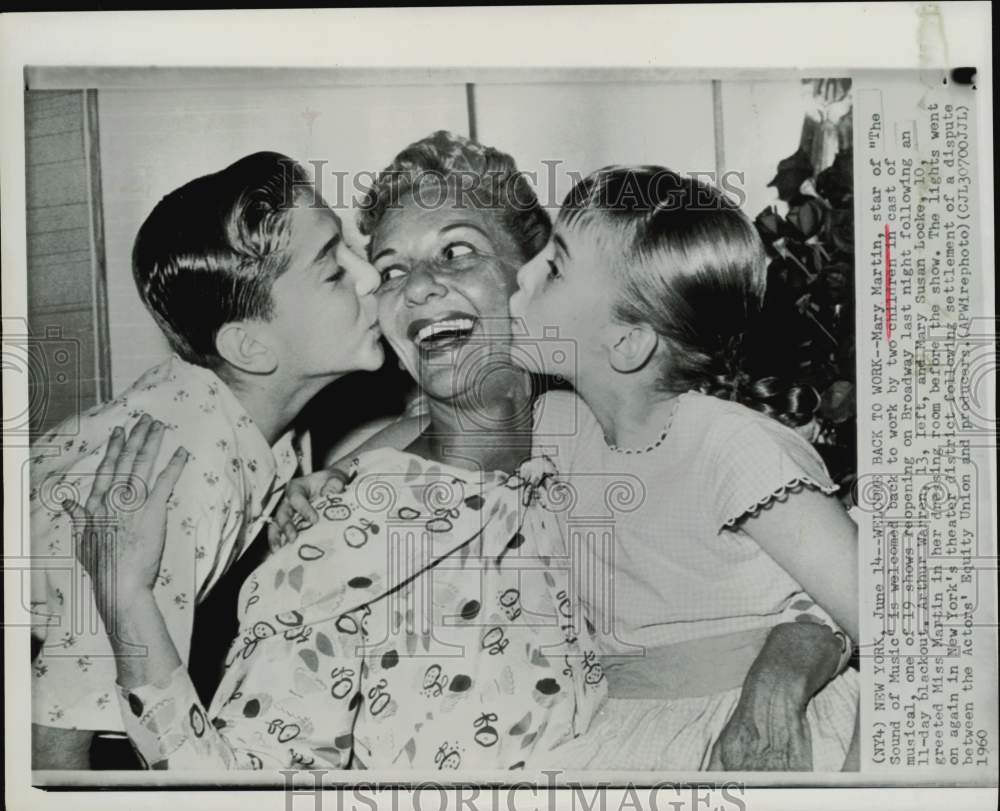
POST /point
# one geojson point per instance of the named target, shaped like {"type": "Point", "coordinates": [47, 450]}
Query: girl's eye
{"type": "Point", "coordinates": [553, 270]}
{"type": "Point", "coordinates": [456, 250]}
{"type": "Point", "coordinates": [337, 275]}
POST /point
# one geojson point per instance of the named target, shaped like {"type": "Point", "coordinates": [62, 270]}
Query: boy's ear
{"type": "Point", "coordinates": [630, 346]}
{"type": "Point", "coordinates": [244, 345]}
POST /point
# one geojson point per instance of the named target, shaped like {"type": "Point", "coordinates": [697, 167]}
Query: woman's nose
{"type": "Point", "coordinates": [422, 284]}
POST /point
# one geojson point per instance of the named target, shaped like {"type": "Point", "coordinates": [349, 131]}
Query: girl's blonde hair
{"type": "Point", "coordinates": [692, 267]}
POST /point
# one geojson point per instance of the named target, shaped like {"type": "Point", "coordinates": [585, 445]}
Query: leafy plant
{"type": "Point", "coordinates": [808, 323]}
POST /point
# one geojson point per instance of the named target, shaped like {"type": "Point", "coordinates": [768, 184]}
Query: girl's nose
{"type": "Point", "coordinates": [524, 275]}
{"type": "Point", "coordinates": [422, 284]}
{"type": "Point", "coordinates": [521, 275]}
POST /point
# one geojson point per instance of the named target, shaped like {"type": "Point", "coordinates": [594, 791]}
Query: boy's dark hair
{"type": "Point", "coordinates": [209, 251]}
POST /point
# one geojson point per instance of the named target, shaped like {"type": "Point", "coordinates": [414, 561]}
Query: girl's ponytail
{"type": "Point", "coordinates": [692, 267]}
{"type": "Point", "coordinates": [789, 403]}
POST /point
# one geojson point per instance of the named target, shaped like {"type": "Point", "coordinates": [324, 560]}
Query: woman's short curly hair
{"type": "Point", "coordinates": [486, 176]}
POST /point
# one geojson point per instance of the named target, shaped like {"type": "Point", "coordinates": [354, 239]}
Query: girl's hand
{"type": "Point", "coordinates": [296, 512]}
{"type": "Point", "coordinates": [120, 531]}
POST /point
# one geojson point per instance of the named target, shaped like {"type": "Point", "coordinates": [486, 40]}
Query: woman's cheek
{"type": "Point", "coordinates": [385, 308]}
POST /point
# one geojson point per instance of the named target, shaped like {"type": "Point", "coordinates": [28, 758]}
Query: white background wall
{"type": "Point", "coordinates": [587, 126]}
{"type": "Point", "coordinates": [154, 140]}
{"type": "Point", "coordinates": [761, 124]}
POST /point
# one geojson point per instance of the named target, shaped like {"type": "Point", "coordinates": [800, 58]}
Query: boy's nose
{"type": "Point", "coordinates": [366, 278]}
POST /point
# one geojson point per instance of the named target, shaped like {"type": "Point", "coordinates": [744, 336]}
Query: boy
{"type": "Point", "coordinates": [263, 305]}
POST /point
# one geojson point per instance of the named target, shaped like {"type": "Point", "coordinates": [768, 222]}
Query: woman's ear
{"type": "Point", "coordinates": [631, 346]}
{"type": "Point", "coordinates": [244, 345]}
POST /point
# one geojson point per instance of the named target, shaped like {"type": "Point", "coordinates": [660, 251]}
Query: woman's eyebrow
{"type": "Point", "coordinates": [471, 225]}
{"type": "Point", "coordinates": [383, 252]}
{"type": "Point", "coordinates": [561, 244]}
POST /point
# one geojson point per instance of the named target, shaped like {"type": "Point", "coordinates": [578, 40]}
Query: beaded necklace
{"type": "Point", "coordinates": [662, 438]}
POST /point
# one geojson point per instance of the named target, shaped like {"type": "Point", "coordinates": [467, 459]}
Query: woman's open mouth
{"type": "Point", "coordinates": [448, 331]}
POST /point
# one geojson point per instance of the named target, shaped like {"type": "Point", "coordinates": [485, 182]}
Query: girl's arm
{"type": "Point", "coordinates": [813, 539]}
{"type": "Point", "coordinates": [811, 536]}
{"type": "Point", "coordinates": [772, 486]}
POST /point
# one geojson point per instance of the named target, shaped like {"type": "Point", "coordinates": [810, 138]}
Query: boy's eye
{"type": "Point", "coordinates": [457, 250]}
{"type": "Point", "coordinates": [553, 270]}
{"type": "Point", "coordinates": [337, 275]}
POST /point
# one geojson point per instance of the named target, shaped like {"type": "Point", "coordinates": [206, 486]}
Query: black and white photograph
{"type": "Point", "coordinates": [485, 424]}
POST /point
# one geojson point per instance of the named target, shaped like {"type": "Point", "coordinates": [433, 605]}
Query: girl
{"type": "Point", "coordinates": [656, 280]}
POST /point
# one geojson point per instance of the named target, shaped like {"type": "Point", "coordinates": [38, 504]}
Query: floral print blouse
{"type": "Point", "coordinates": [426, 622]}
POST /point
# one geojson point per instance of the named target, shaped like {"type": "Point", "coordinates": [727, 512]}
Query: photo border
{"type": "Point", "coordinates": [656, 43]}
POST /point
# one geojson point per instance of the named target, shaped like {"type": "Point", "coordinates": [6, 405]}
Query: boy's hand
{"type": "Point", "coordinates": [120, 532]}
{"type": "Point", "coordinates": [296, 512]}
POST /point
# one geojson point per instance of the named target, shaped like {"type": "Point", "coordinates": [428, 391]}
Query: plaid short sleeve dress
{"type": "Point", "coordinates": [663, 560]}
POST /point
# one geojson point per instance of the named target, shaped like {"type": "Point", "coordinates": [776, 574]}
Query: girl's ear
{"type": "Point", "coordinates": [631, 346]}
{"type": "Point", "coordinates": [244, 344]}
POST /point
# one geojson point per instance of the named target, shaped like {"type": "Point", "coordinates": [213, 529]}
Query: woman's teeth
{"type": "Point", "coordinates": [453, 327]}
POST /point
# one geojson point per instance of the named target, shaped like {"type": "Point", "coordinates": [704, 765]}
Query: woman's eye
{"type": "Point", "coordinates": [391, 273]}
{"type": "Point", "coordinates": [553, 270]}
{"type": "Point", "coordinates": [456, 250]}
{"type": "Point", "coordinates": [337, 275]}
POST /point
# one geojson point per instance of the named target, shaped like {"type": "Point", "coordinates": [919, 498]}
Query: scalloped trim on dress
{"type": "Point", "coordinates": [782, 493]}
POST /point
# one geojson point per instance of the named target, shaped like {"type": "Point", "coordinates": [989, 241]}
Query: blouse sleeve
{"type": "Point", "coordinates": [169, 729]}
{"type": "Point", "coordinates": [760, 462]}
{"type": "Point", "coordinates": [266, 714]}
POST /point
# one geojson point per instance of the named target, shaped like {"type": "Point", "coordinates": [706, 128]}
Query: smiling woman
{"type": "Point", "coordinates": [451, 222]}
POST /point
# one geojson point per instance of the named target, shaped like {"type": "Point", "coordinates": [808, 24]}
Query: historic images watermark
{"type": "Point", "coordinates": [48, 363]}
{"type": "Point", "coordinates": [495, 189]}
{"type": "Point", "coordinates": [316, 790]}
